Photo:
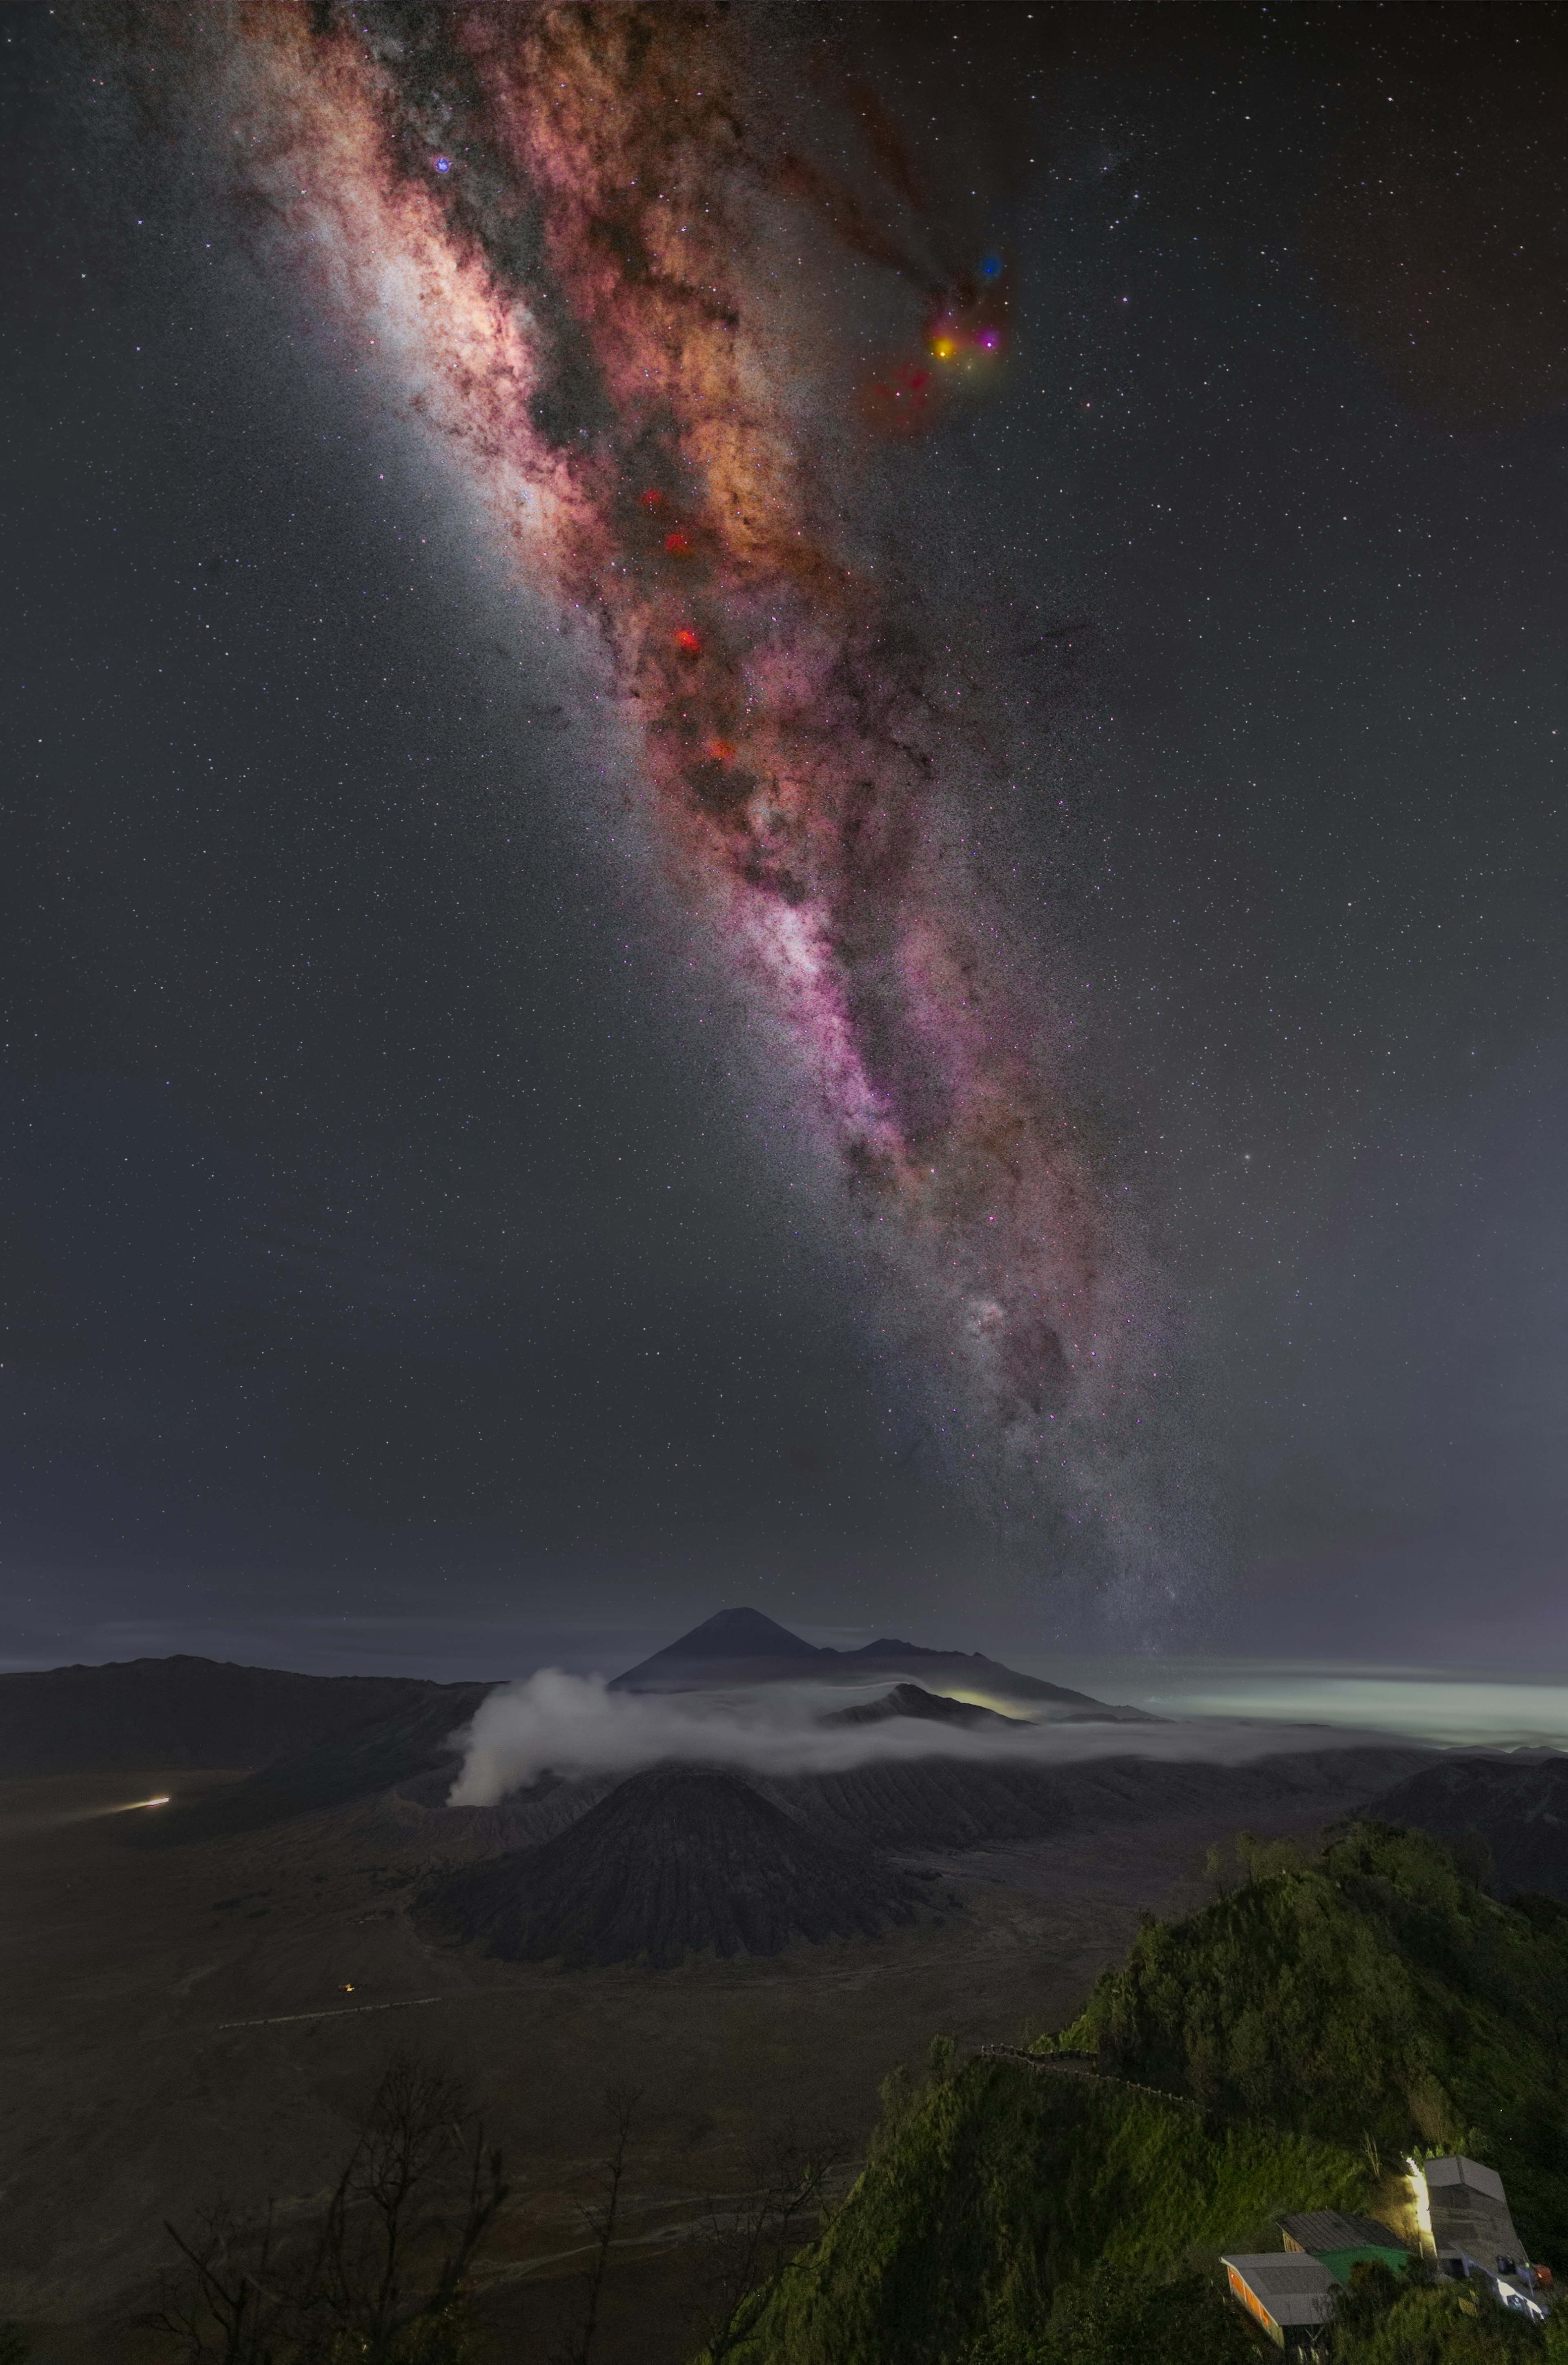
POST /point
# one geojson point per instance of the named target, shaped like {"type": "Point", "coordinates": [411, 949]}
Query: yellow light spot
{"type": "Point", "coordinates": [348, 1987]}
{"type": "Point", "coordinates": [1014, 1710]}
{"type": "Point", "coordinates": [944, 348]}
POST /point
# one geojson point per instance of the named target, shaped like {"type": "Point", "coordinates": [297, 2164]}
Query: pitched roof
{"type": "Point", "coordinates": [1467, 2210]}
{"type": "Point", "coordinates": [1457, 2170]}
{"type": "Point", "coordinates": [1287, 2285]}
{"type": "Point", "coordinates": [1318, 2230]}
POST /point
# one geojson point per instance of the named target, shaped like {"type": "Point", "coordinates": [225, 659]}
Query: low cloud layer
{"type": "Point", "coordinates": [1486, 1713]}
{"type": "Point", "coordinates": [571, 1725]}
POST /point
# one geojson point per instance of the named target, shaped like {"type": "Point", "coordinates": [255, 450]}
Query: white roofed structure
{"type": "Point", "coordinates": [1463, 2211]}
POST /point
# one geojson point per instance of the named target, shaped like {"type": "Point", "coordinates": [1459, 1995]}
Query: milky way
{"type": "Point", "coordinates": [555, 229]}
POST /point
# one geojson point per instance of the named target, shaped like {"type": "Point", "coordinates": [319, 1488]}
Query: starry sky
{"type": "Point", "coordinates": [412, 1250]}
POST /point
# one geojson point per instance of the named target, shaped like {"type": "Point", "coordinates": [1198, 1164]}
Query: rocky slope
{"type": "Point", "coordinates": [673, 1863]}
{"type": "Point", "coordinates": [1505, 1817]}
{"type": "Point", "coordinates": [951, 1802]}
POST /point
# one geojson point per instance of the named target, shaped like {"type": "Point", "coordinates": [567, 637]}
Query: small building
{"type": "Point", "coordinates": [1342, 2264]}
{"type": "Point", "coordinates": [1463, 2214]}
{"type": "Point", "coordinates": [1290, 2294]}
{"type": "Point", "coordinates": [1318, 2231]}
{"type": "Point", "coordinates": [1341, 2243]}
{"type": "Point", "coordinates": [1462, 2211]}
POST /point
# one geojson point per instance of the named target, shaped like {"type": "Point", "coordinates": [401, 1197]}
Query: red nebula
{"type": "Point", "coordinates": [903, 400]}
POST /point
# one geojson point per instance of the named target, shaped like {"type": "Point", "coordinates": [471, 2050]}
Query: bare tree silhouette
{"type": "Point", "coordinates": [381, 2277]}
{"type": "Point", "coordinates": [621, 2104]}
{"type": "Point", "coordinates": [225, 2302]}
{"type": "Point", "coordinates": [751, 2243]}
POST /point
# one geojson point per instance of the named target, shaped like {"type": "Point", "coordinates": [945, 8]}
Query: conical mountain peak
{"type": "Point", "coordinates": [732, 1634]}
{"type": "Point", "coordinates": [735, 1646]}
{"type": "Point", "coordinates": [741, 1647]}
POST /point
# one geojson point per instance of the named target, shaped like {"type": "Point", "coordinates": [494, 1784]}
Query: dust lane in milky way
{"type": "Point", "coordinates": [553, 224]}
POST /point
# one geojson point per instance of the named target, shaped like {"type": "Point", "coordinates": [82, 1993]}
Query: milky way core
{"type": "Point", "coordinates": [559, 228]}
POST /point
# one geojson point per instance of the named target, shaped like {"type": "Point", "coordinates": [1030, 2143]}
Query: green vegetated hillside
{"type": "Point", "coordinates": [1002, 2188]}
{"type": "Point", "coordinates": [1374, 1995]}
{"type": "Point", "coordinates": [1308, 2028]}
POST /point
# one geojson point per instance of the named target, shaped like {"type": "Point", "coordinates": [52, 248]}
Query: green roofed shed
{"type": "Point", "coordinates": [1339, 2262]}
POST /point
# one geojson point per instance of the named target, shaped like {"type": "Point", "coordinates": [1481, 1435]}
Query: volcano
{"type": "Point", "coordinates": [932, 1708]}
{"type": "Point", "coordinates": [674, 1862]}
{"type": "Point", "coordinates": [739, 1648]}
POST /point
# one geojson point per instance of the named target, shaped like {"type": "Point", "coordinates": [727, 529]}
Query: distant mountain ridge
{"type": "Point", "coordinates": [1505, 1817]}
{"type": "Point", "coordinates": [202, 1713]}
{"type": "Point", "coordinates": [199, 1713]}
{"type": "Point", "coordinates": [742, 1647]}
{"type": "Point", "coordinates": [305, 1743]}
{"type": "Point", "coordinates": [929, 1708]}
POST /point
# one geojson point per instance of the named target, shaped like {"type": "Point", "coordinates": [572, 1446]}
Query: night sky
{"type": "Point", "coordinates": [419, 1247]}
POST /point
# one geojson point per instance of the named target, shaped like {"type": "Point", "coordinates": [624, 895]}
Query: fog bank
{"type": "Point", "coordinates": [571, 1725]}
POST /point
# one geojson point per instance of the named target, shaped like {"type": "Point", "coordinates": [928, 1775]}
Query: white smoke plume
{"type": "Point", "coordinates": [574, 1726]}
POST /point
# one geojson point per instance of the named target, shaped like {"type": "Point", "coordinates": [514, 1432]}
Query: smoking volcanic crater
{"type": "Point", "coordinates": [756, 1837]}
{"type": "Point", "coordinates": [707, 1803]}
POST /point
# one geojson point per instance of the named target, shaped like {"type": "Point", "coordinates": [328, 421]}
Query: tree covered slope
{"type": "Point", "coordinates": [1307, 2029]}
{"type": "Point", "coordinates": [1002, 2188]}
{"type": "Point", "coordinates": [1375, 1995]}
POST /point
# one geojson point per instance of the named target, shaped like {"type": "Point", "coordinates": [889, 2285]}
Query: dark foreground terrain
{"type": "Point", "coordinates": [200, 1998]}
